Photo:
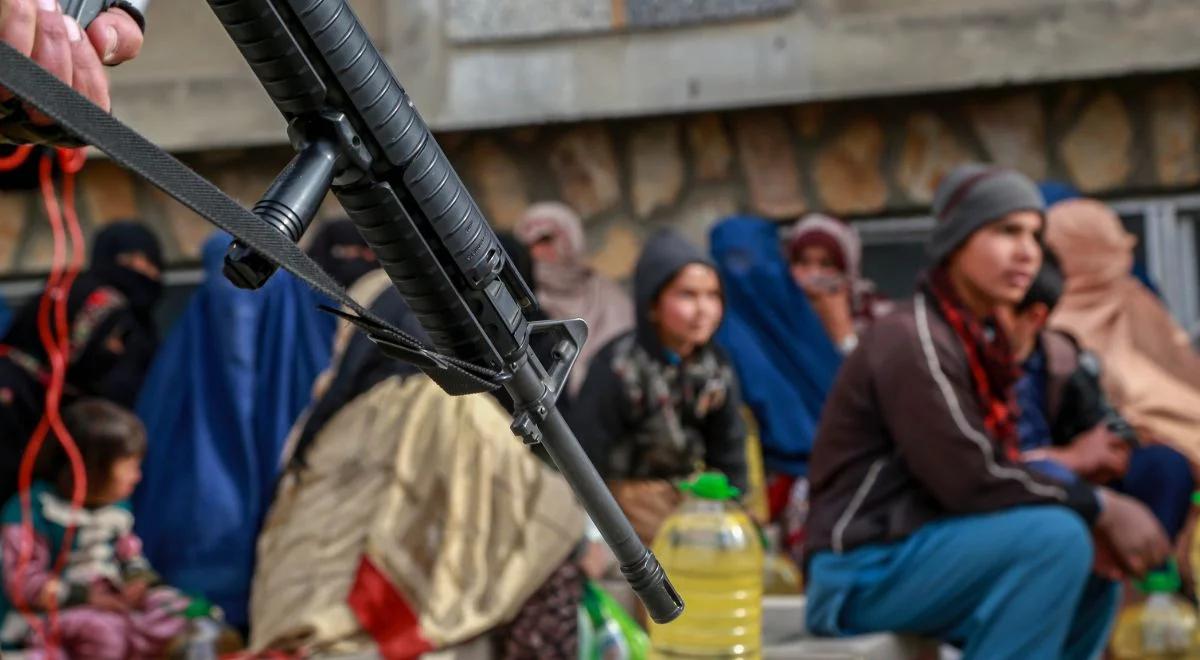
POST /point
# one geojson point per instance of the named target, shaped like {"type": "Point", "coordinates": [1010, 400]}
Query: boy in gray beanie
{"type": "Point", "coordinates": [923, 518]}
{"type": "Point", "coordinates": [972, 196]}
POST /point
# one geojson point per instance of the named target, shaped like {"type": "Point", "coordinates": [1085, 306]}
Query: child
{"type": "Point", "coordinates": [109, 601]}
{"type": "Point", "coordinates": [661, 401]}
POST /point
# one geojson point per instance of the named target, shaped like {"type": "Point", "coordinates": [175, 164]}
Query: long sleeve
{"type": "Point", "coordinates": [25, 581]}
{"type": "Point", "coordinates": [725, 437]}
{"type": "Point", "coordinates": [928, 406]}
{"type": "Point", "coordinates": [597, 417]}
{"type": "Point", "coordinates": [134, 565]}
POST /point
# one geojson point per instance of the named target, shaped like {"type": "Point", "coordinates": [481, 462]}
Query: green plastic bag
{"type": "Point", "coordinates": [614, 635]}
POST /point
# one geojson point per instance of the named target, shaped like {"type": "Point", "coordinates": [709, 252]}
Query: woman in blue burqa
{"type": "Point", "coordinates": [228, 383]}
{"type": "Point", "coordinates": [783, 356]}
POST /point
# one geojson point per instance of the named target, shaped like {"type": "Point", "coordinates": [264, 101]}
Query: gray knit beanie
{"type": "Point", "coordinates": [972, 197]}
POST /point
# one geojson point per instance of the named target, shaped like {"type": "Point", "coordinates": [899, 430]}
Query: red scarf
{"type": "Point", "coordinates": [993, 370]}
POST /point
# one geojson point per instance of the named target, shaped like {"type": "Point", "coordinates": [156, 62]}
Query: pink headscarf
{"type": "Point", "coordinates": [838, 237]}
{"type": "Point", "coordinates": [845, 247]}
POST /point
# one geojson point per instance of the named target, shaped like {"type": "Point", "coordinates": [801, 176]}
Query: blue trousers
{"type": "Point", "coordinates": [1162, 479]}
{"type": "Point", "coordinates": [1013, 584]}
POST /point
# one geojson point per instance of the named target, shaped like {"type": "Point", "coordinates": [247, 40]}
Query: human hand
{"type": "Point", "coordinates": [1098, 455]}
{"type": "Point", "coordinates": [1130, 541]}
{"type": "Point", "coordinates": [48, 597]}
{"type": "Point", "coordinates": [102, 596]}
{"type": "Point", "coordinates": [830, 299]}
{"type": "Point", "coordinates": [39, 30]}
{"type": "Point", "coordinates": [133, 593]}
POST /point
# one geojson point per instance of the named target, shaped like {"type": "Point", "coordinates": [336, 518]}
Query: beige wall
{"type": "Point", "coordinates": [191, 90]}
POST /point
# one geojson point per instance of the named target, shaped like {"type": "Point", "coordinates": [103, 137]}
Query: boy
{"type": "Point", "coordinates": [922, 518]}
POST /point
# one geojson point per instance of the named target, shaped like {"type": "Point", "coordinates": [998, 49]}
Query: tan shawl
{"type": "Point", "coordinates": [436, 492]}
{"type": "Point", "coordinates": [1151, 372]}
{"type": "Point", "coordinates": [570, 288]}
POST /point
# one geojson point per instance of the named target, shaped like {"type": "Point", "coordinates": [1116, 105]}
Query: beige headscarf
{"type": "Point", "coordinates": [1151, 371]}
{"type": "Point", "coordinates": [571, 288]}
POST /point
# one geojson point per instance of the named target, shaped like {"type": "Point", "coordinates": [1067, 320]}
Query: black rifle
{"type": "Point", "coordinates": [356, 131]}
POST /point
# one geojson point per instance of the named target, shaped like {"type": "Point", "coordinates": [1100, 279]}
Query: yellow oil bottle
{"type": "Point", "coordinates": [1164, 626]}
{"type": "Point", "coordinates": [713, 555]}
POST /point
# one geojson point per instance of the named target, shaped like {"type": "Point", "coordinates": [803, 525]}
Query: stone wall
{"type": "Point", "coordinates": [864, 158]}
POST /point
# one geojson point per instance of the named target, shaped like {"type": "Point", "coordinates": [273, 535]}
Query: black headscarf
{"type": "Point", "coordinates": [342, 252]}
{"type": "Point", "coordinates": [124, 238]}
{"type": "Point", "coordinates": [123, 380]}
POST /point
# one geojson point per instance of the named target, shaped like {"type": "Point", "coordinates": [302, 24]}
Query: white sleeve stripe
{"type": "Point", "coordinates": [839, 529]}
{"type": "Point", "coordinates": [979, 438]}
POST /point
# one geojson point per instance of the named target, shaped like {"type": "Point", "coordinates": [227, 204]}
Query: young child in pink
{"type": "Point", "coordinates": [109, 602]}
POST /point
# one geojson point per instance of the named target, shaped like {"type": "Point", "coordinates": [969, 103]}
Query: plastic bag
{"type": "Point", "coordinates": [613, 634]}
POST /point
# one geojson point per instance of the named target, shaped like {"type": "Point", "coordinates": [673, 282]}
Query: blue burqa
{"type": "Point", "coordinates": [225, 388]}
{"type": "Point", "coordinates": [784, 359]}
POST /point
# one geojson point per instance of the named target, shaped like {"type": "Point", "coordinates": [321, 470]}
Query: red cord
{"type": "Point", "coordinates": [55, 336]}
{"type": "Point", "coordinates": [16, 159]}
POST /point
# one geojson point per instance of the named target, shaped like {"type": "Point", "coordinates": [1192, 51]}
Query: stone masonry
{"type": "Point", "coordinates": [864, 158]}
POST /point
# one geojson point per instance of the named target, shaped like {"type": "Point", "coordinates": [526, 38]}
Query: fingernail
{"type": "Point", "coordinates": [111, 40]}
{"type": "Point", "coordinates": [49, 5]}
{"type": "Point", "coordinates": [73, 31]}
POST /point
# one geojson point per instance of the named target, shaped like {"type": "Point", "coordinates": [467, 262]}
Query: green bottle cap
{"type": "Point", "coordinates": [711, 486]}
{"type": "Point", "coordinates": [1163, 581]}
{"type": "Point", "coordinates": [1196, 498]}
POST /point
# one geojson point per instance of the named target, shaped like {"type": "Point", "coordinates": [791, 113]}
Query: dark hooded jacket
{"type": "Point", "coordinates": [644, 413]}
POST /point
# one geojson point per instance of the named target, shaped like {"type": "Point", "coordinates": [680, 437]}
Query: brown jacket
{"type": "Point", "coordinates": [902, 441]}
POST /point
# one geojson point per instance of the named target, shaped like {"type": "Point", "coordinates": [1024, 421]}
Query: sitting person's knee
{"type": "Point", "coordinates": [1057, 534]}
{"type": "Point", "coordinates": [1166, 464]}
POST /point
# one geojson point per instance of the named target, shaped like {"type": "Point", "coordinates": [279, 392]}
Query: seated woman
{"type": "Point", "coordinates": [567, 286]}
{"type": "Point", "coordinates": [826, 261]}
{"type": "Point", "coordinates": [1152, 373]}
{"type": "Point", "coordinates": [409, 521]}
{"type": "Point", "coordinates": [923, 519]}
{"type": "Point", "coordinates": [661, 402]}
{"type": "Point", "coordinates": [231, 377]}
{"type": "Point", "coordinates": [110, 312]}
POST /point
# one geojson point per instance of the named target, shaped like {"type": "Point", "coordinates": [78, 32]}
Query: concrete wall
{"type": "Point", "coordinates": [486, 63]}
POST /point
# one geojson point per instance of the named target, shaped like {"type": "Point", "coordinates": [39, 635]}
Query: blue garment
{"type": "Point", "coordinates": [225, 388]}
{"type": "Point", "coordinates": [785, 361]}
{"type": "Point", "coordinates": [1033, 429]}
{"type": "Point", "coordinates": [5, 317]}
{"type": "Point", "coordinates": [1013, 584]}
{"type": "Point", "coordinates": [1161, 478]}
{"type": "Point", "coordinates": [1057, 191]}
